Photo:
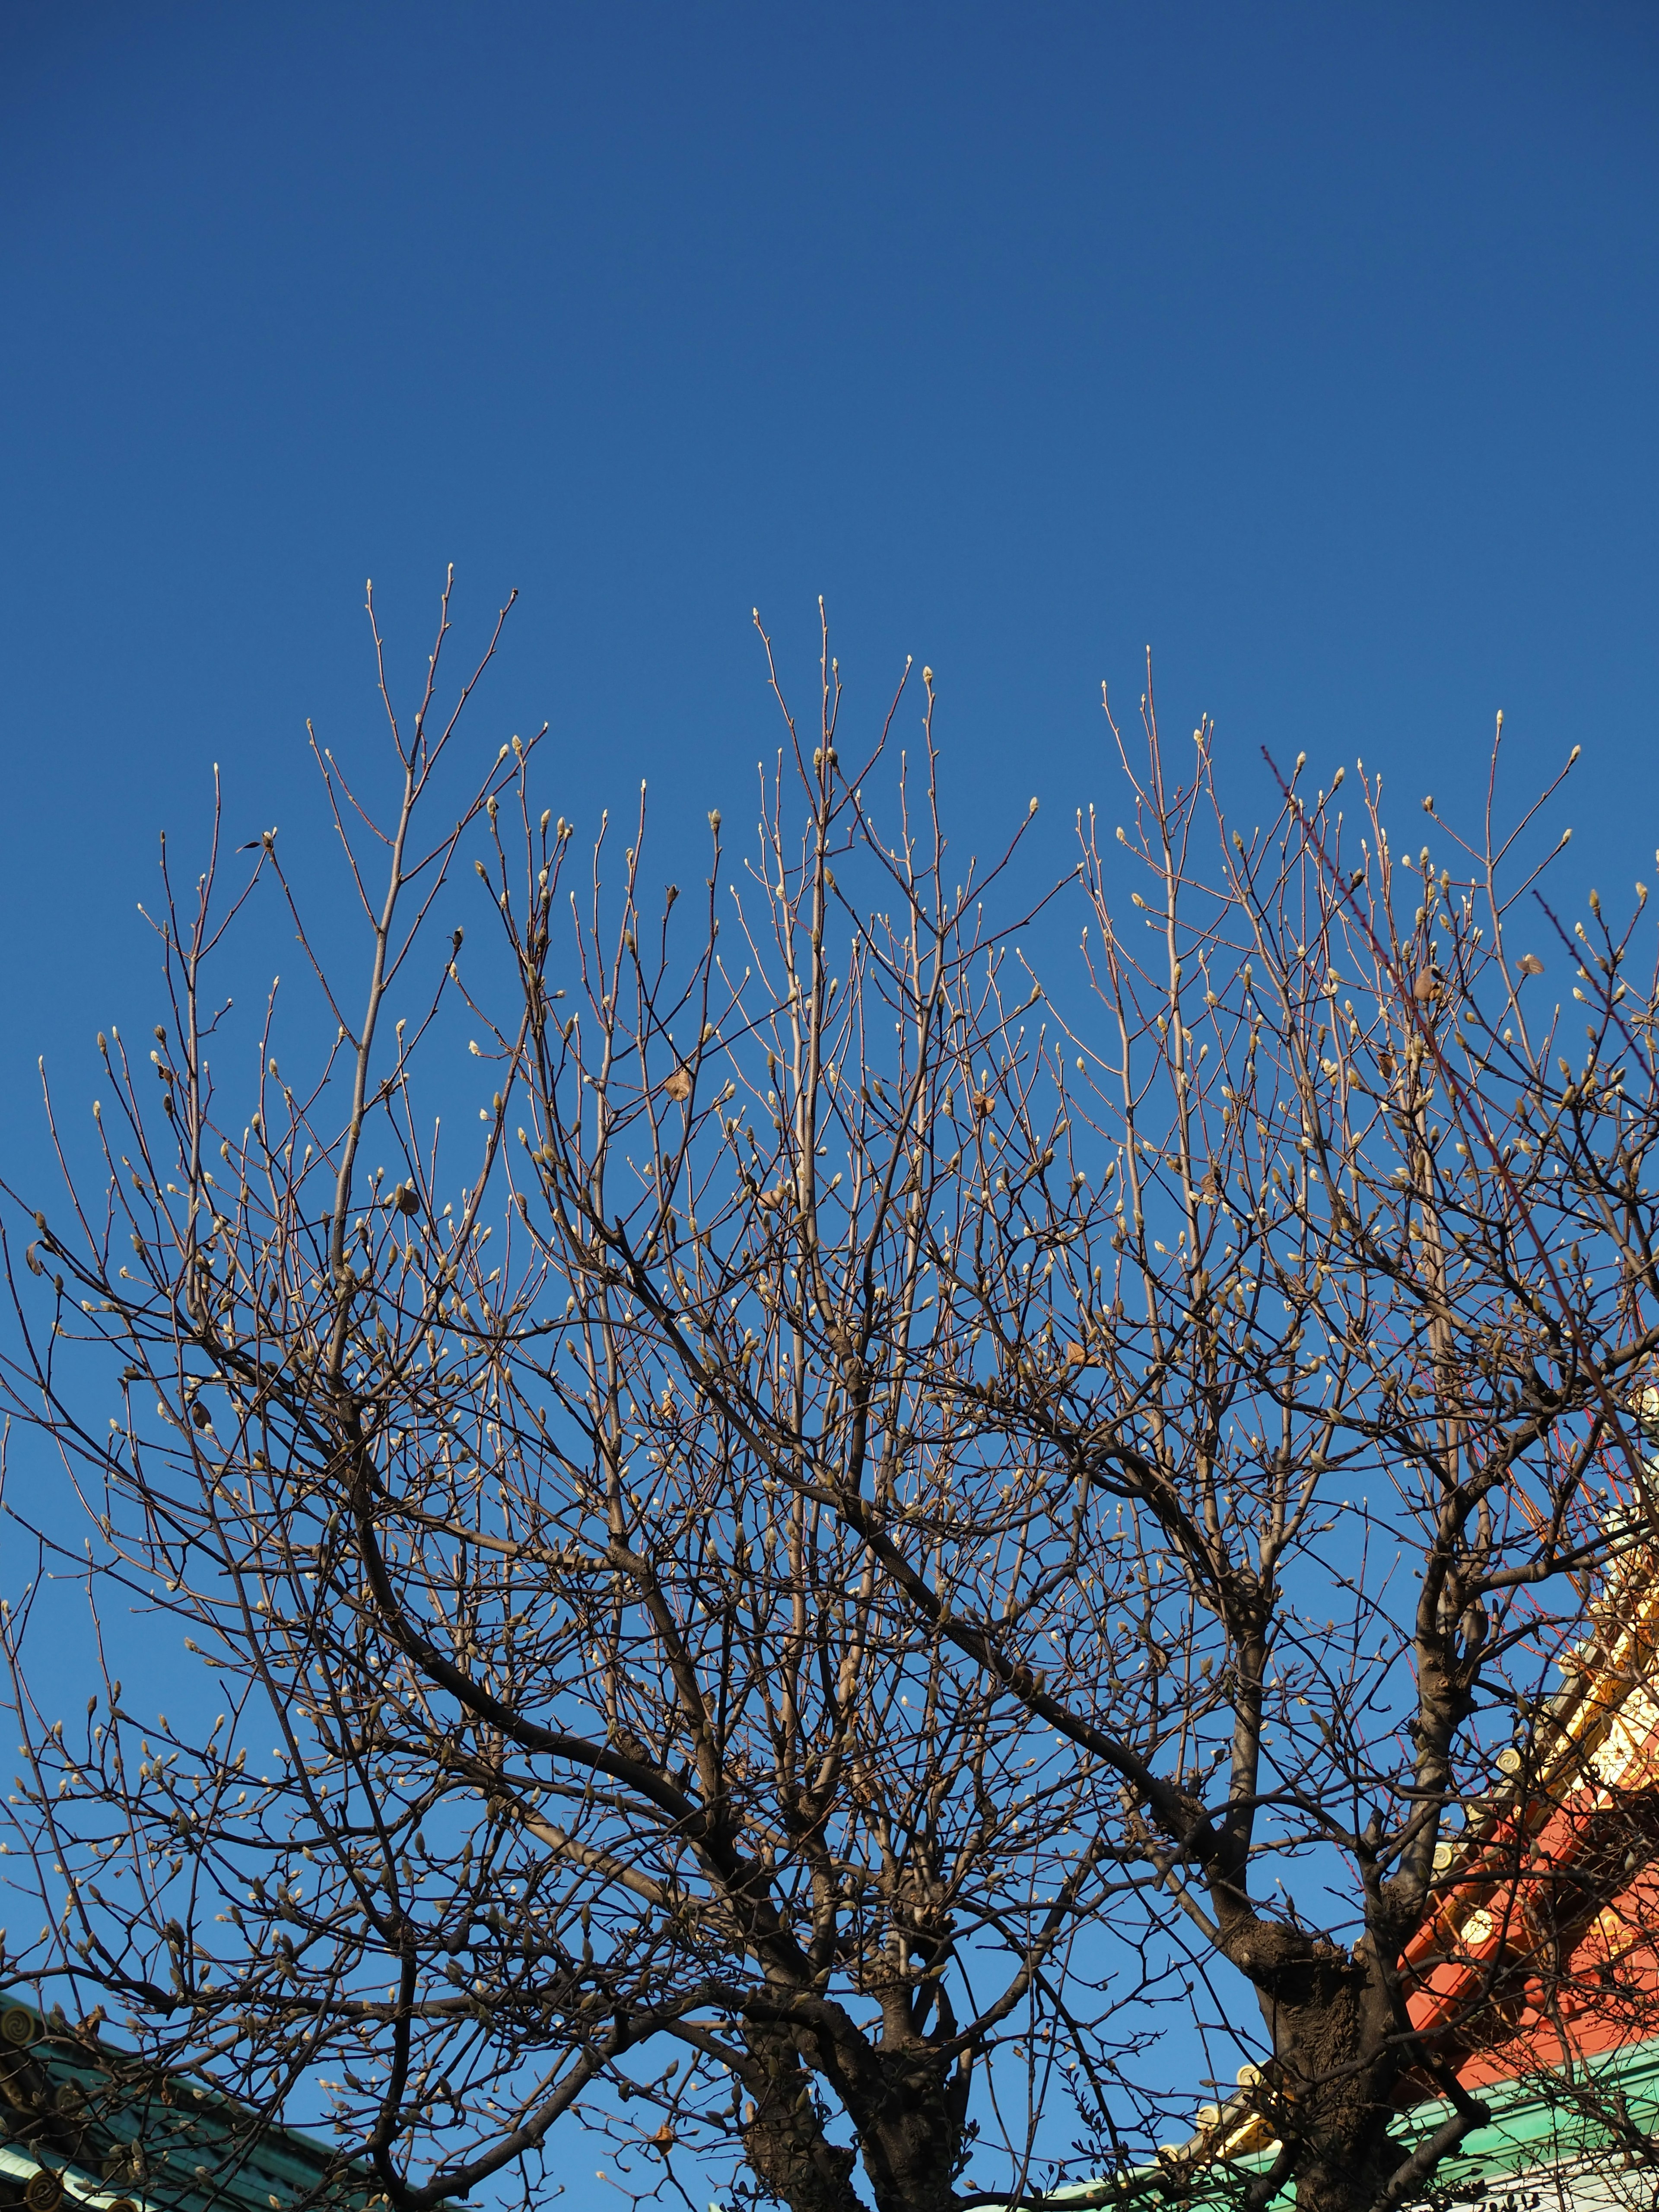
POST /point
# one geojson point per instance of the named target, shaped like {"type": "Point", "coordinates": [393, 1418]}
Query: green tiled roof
{"type": "Point", "coordinates": [1540, 2124]}
{"type": "Point", "coordinates": [84, 2124]}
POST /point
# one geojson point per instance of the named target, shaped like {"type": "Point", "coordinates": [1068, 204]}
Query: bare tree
{"type": "Point", "coordinates": [860, 1542]}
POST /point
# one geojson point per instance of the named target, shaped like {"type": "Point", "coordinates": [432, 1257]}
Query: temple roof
{"type": "Point", "coordinates": [83, 2124]}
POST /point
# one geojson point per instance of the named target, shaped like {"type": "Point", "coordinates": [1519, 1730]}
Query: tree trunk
{"type": "Point", "coordinates": [909, 2118]}
{"type": "Point", "coordinates": [1336, 2077]}
{"type": "Point", "coordinates": [783, 2137]}
{"type": "Point", "coordinates": [909, 2109]}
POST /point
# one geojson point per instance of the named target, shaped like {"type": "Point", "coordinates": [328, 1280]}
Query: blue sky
{"type": "Point", "coordinates": [1313, 346]}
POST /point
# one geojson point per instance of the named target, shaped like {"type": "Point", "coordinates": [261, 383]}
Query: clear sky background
{"type": "Point", "coordinates": [1315, 347]}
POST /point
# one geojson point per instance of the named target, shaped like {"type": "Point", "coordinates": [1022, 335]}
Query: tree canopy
{"type": "Point", "coordinates": [899, 1515]}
